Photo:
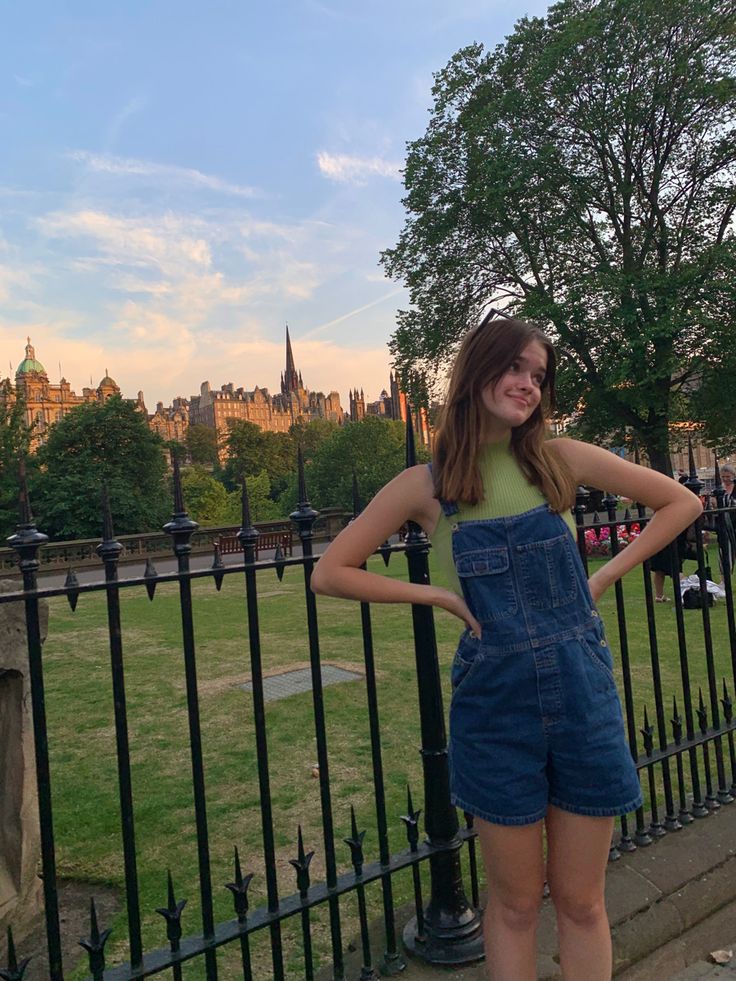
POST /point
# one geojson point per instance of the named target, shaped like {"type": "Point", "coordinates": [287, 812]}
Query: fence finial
{"type": "Point", "coordinates": [411, 451]}
{"type": "Point", "coordinates": [14, 970]}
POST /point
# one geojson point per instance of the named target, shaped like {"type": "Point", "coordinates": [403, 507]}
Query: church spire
{"type": "Point", "coordinates": [291, 378]}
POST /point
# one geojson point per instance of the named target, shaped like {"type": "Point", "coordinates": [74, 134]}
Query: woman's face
{"type": "Point", "coordinates": [512, 399]}
{"type": "Point", "coordinates": [727, 479]}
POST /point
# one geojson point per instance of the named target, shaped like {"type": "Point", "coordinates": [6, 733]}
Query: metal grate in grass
{"type": "Point", "coordinates": [299, 681]}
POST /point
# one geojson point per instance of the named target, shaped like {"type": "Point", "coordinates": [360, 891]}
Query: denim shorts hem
{"type": "Point", "coordinates": [498, 818]}
{"type": "Point", "coordinates": [615, 810]}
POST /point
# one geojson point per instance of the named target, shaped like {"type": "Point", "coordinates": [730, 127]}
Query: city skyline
{"type": "Point", "coordinates": [177, 182]}
{"type": "Point", "coordinates": [92, 380]}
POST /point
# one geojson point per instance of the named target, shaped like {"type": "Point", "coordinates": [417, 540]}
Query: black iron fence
{"type": "Point", "coordinates": [682, 741]}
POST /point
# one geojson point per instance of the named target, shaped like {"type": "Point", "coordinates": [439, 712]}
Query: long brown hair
{"type": "Point", "coordinates": [486, 353]}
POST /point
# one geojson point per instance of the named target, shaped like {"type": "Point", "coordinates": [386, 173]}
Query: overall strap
{"type": "Point", "coordinates": [448, 507]}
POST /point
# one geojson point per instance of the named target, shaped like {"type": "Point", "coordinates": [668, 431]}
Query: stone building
{"type": "Point", "coordinates": [275, 413]}
{"type": "Point", "coordinates": [170, 423]}
{"type": "Point", "coordinates": [47, 402]}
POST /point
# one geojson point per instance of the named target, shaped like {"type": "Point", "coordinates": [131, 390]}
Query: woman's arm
{"type": "Point", "coordinates": [674, 505]}
{"type": "Point", "coordinates": [408, 497]}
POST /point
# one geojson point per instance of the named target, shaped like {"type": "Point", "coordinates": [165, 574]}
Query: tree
{"type": "Point", "coordinates": [373, 448]}
{"type": "Point", "coordinates": [584, 174]}
{"type": "Point", "coordinates": [210, 504]}
{"type": "Point", "coordinates": [15, 436]}
{"type": "Point", "coordinates": [252, 449]}
{"type": "Point", "coordinates": [310, 435]}
{"type": "Point", "coordinates": [95, 444]}
{"type": "Point", "coordinates": [206, 498]}
{"type": "Point", "coordinates": [201, 442]}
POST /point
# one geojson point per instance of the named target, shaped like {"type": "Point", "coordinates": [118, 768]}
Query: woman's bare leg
{"type": "Point", "coordinates": [514, 867]}
{"type": "Point", "coordinates": [577, 855]}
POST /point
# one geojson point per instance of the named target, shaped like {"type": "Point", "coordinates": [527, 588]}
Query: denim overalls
{"type": "Point", "coordinates": [535, 717]}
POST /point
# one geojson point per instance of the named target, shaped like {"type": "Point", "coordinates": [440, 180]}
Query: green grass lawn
{"type": "Point", "coordinates": [82, 736]}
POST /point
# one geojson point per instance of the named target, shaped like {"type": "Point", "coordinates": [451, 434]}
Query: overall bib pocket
{"type": "Point", "coordinates": [487, 583]}
{"type": "Point", "coordinates": [548, 572]}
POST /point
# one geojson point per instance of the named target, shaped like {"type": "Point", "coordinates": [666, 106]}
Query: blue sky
{"type": "Point", "coordinates": [178, 180]}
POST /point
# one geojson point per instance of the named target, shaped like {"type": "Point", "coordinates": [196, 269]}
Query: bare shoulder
{"type": "Point", "coordinates": [417, 484]}
{"type": "Point", "coordinates": [599, 467]}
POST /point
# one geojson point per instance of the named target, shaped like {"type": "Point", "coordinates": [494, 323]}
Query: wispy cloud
{"type": "Point", "coordinates": [106, 163]}
{"type": "Point", "coordinates": [131, 108]}
{"type": "Point", "coordinates": [167, 245]}
{"type": "Point", "coordinates": [346, 169]}
{"type": "Point", "coordinates": [351, 313]}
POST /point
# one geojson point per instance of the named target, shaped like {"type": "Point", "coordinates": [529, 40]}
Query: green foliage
{"type": "Point", "coordinates": [210, 503]}
{"type": "Point", "coordinates": [583, 173]}
{"type": "Point", "coordinates": [15, 437]}
{"type": "Point", "coordinates": [311, 435]}
{"type": "Point", "coordinates": [206, 499]}
{"type": "Point", "coordinates": [100, 443]}
{"type": "Point", "coordinates": [252, 449]}
{"type": "Point", "coordinates": [373, 448]}
{"type": "Point", "coordinates": [201, 442]}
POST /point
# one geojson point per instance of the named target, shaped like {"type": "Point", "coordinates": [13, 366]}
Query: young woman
{"type": "Point", "coordinates": [536, 729]}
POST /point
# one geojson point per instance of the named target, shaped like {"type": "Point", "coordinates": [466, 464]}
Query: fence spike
{"type": "Point", "coordinates": [411, 451]}
{"type": "Point", "coordinates": [411, 821]}
{"type": "Point", "coordinates": [109, 549]}
{"type": "Point", "coordinates": [239, 889]}
{"type": "Point", "coordinates": [303, 499]}
{"type": "Point", "coordinates": [385, 552]}
{"type": "Point", "coordinates": [108, 533]}
{"type": "Point", "coordinates": [217, 566]}
{"type": "Point", "coordinates": [702, 712]}
{"type": "Point", "coordinates": [356, 499]}
{"type": "Point", "coordinates": [245, 504]}
{"type": "Point", "coordinates": [95, 944]}
{"type": "Point", "coordinates": [727, 704]}
{"type": "Point", "coordinates": [150, 575]}
{"type": "Point", "coordinates": [676, 722]}
{"type": "Point", "coordinates": [648, 733]}
{"type": "Point", "coordinates": [355, 842]}
{"type": "Point", "coordinates": [627, 515]}
{"type": "Point", "coordinates": [301, 864]}
{"type": "Point", "coordinates": [71, 587]}
{"type": "Point", "coordinates": [278, 557]}
{"type": "Point", "coordinates": [178, 490]}
{"type": "Point", "coordinates": [24, 503]}
{"type": "Point", "coordinates": [14, 971]}
{"type": "Point", "coordinates": [172, 913]}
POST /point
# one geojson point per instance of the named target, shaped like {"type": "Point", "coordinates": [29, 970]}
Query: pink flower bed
{"type": "Point", "coordinates": [598, 541]}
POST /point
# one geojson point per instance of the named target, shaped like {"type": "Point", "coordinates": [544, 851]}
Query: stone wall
{"type": "Point", "coordinates": [20, 886]}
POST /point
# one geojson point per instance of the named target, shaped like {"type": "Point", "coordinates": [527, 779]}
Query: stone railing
{"type": "Point", "coordinates": [82, 553]}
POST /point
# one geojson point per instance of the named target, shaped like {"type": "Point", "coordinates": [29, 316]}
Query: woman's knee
{"type": "Point", "coordinates": [517, 912]}
{"type": "Point", "coordinates": [582, 911]}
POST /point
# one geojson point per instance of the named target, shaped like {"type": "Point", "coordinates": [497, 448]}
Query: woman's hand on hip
{"type": "Point", "coordinates": [456, 605]}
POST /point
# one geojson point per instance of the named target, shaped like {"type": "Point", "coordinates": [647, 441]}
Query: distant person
{"type": "Point", "coordinates": [728, 473]}
{"type": "Point", "coordinates": [536, 729]}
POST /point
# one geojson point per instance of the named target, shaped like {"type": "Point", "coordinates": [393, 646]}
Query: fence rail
{"type": "Point", "coordinates": [683, 745]}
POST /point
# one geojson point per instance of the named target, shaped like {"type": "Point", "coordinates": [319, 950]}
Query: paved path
{"type": "Point", "coordinates": [670, 905]}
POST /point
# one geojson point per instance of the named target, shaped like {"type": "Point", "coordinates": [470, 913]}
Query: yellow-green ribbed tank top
{"type": "Point", "coordinates": [507, 492]}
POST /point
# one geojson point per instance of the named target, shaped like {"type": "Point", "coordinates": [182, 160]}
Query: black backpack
{"type": "Point", "coordinates": [692, 599]}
